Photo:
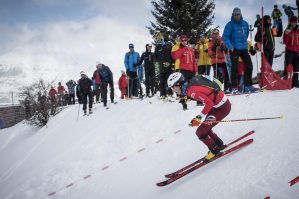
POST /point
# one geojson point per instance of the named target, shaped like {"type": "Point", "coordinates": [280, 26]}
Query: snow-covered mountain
{"type": "Point", "coordinates": [124, 151]}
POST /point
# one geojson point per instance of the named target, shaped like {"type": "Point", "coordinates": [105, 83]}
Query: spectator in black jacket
{"type": "Point", "coordinates": [106, 78]}
{"type": "Point", "coordinates": [85, 89]}
{"type": "Point", "coordinates": [149, 68]}
{"type": "Point", "coordinates": [268, 39]}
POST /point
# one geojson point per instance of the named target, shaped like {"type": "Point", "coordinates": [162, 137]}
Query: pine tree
{"type": "Point", "coordinates": [177, 17]}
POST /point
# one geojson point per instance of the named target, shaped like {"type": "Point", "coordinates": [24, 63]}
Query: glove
{"type": "Point", "coordinates": [197, 120]}
{"type": "Point", "coordinates": [183, 99]}
{"type": "Point", "coordinates": [252, 51]}
{"type": "Point", "coordinates": [166, 64]}
{"type": "Point", "coordinates": [210, 120]}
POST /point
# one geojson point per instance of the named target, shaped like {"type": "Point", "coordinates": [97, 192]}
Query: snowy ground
{"type": "Point", "coordinates": [124, 151]}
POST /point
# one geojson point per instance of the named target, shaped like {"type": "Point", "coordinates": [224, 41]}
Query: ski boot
{"type": "Point", "coordinates": [219, 144]}
{"type": "Point", "coordinates": [84, 113]}
{"type": "Point", "coordinates": [90, 111]}
{"type": "Point", "coordinates": [212, 154]}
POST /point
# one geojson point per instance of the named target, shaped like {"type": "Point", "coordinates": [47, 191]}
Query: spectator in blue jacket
{"type": "Point", "coordinates": [235, 36]}
{"type": "Point", "coordinates": [131, 63]}
{"type": "Point", "coordinates": [106, 78]}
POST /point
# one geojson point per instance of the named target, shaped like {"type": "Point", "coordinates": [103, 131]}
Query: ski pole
{"type": "Point", "coordinates": [78, 113]}
{"type": "Point", "coordinates": [245, 119]}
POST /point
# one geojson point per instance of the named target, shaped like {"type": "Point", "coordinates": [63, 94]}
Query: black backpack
{"type": "Point", "coordinates": [203, 80]}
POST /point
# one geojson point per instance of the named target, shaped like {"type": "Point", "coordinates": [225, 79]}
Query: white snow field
{"type": "Point", "coordinates": [124, 151]}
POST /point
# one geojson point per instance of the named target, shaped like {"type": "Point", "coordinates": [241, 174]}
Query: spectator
{"type": "Point", "coordinates": [204, 60]}
{"type": "Point", "coordinates": [60, 93]}
{"type": "Point", "coordinates": [165, 62]}
{"type": "Point", "coordinates": [288, 10]}
{"type": "Point", "coordinates": [71, 85]}
{"type": "Point", "coordinates": [235, 39]}
{"type": "Point", "coordinates": [85, 88]}
{"type": "Point", "coordinates": [122, 84]}
{"type": "Point", "coordinates": [52, 95]}
{"type": "Point", "coordinates": [217, 51]}
{"type": "Point", "coordinates": [276, 16]}
{"type": "Point", "coordinates": [149, 69]}
{"type": "Point", "coordinates": [187, 63]}
{"type": "Point", "coordinates": [140, 75]}
{"type": "Point", "coordinates": [78, 93]}
{"type": "Point", "coordinates": [290, 39]}
{"type": "Point", "coordinates": [97, 82]}
{"type": "Point", "coordinates": [130, 61]}
{"type": "Point", "coordinates": [268, 39]}
{"type": "Point", "coordinates": [106, 78]}
{"type": "Point", "coordinates": [258, 22]}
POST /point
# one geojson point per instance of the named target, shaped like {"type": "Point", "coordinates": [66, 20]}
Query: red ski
{"type": "Point", "coordinates": [186, 172]}
{"type": "Point", "coordinates": [171, 175]}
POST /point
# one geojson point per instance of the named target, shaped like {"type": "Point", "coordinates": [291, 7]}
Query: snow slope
{"type": "Point", "coordinates": [124, 151]}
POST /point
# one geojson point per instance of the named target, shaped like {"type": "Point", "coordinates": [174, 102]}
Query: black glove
{"type": "Point", "coordinates": [252, 51]}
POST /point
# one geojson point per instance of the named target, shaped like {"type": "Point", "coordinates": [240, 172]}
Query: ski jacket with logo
{"type": "Point", "coordinates": [105, 74]}
{"type": "Point", "coordinates": [206, 95]}
{"type": "Point", "coordinates": [187, 59]}
{"type": "Point", "coordinates": [201, 50]}
{"type": "Point", "coordinates": [291, 40]}
{"type": "Point", "coordinates": [216, 50]}
{"type": "Point", "coordinates": [85, 85]}
{"type": "Point", "coordinates": [148, 58]}
{"type": "Point", "coordinates": [131, 60]}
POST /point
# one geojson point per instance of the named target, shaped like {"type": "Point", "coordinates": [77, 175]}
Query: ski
{"type": "Point", "coordinates": [171, 175]}
{"type": "Point", "coordinates": [186, 172]}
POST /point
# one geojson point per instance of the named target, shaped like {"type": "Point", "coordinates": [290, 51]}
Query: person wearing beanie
{"type": "Point", "coordinates": [268, 39]}
{"type": "Point", "coordinates": [122, 84]}
{"type": "Point", "coordinates": [290, 39]}
{"type": "Point", "coordinates": [84, 87]}
{"type": "Point", "coordinates": [131, 60]}
{"type": "Point", "coordinates": [106, 77]}
{"type": "Point", "coordinates": [276, 16]}
{"type": "Point", "coordinates": [235, 36]}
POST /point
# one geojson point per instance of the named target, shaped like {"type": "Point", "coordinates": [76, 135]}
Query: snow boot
{"type": "Point", "coordinates": [219, 144]}
{"type": "Point", "coordinates": [212, 154]}
{"type": "Point", "coordinates": [84, 112]}
{"type": "Point", "coordinates": [90, 111]}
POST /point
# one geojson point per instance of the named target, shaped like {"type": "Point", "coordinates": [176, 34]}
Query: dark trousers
{"type": "Point", "coordinates": [269, 54]}
{"type": "Point", "coordinates": [149, 81]}
{"type": "Point", "coordinates": [248, 67]}
{"type": "Point", "coordinates": [204, 69]}
{"type": "Point", "coordinates": [204, 131]}
{"type": "Point", "coordinates": [222, 74]}
{"type": "Point", "coordinates": [292, 58]}
{"type": "Point", "coordinates": [72, 98]}
{"type": "Point", "coordinates": [97, 92]}
{"type": "Point", "coordinates": [84, 100]}
{"type": "Point", "coordinates": [132, 84]}
{"type": "Point", "coordinates": [104, 89]}
{"type": "Point", "coordinates": [164, 90]}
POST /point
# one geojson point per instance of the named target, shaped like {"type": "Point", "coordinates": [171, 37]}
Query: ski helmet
{"type": "Point", "coordinates": [82, 73]}
{"type": "Point", "coordinates": [175, 78]}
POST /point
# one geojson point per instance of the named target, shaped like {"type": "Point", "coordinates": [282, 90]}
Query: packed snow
{"type": "Point", "coordinates": [122, 152]}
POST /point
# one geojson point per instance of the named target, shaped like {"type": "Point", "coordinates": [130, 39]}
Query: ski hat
{"type": "Point", "coordinates": [293, 19]}
{"type": "Point", "coordinates": [82, 73]}
{"type": "Point", "coordinates": [131, 45]}
{"type": "Point", "coordinates": [123, 72]}
{"type": "Point", "coordinates": [183, 38]}
{"type": "Point", "coordinates": [98, 62]}
{"type": "Point", "coordinates": [237, 11]}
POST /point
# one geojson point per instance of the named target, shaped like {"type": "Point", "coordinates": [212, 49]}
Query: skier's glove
{"type": "Point", "coordinates": [197, 120]}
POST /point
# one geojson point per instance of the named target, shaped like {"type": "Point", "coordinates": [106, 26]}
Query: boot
{"type": "Point", "coordinates": [219, 144]}
{"type": "Point", "coordinates": [90, 111]}
{"type": "Point", "coordinates": [212, 153]}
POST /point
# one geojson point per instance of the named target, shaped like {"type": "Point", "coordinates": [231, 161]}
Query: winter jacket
{"type": "Point", "coordinates": [276, 14]}
{"type": "Point", "coordinates": [131, 60]}
{"type": "Point", "coordinates": [187, 59]}
{"type": "Point", "coordinates": [96, 77]}
{"type": "Point", "coordinates": [235, 34]}
{"type": "Point", "coordinates": [60, 90]}
{"type": "Point", "coordinates": [122, 82]}
{"type": "Point", "coordinates": [206, 96]}
{"type": "Point", "coordinates": [268, 40]}
{"type": "Point", "coordinates": [148, 58]}
{"type": "Point", "coordinates": [85, 85]}
{"type": "Point", "coordinates": [176, 61]}
{"type": "Point", "coordinates": [71, 84]}
{"type": "Point", "coordinates": [202, 51]}
{"type": "Point", "coordinates": [291, 40]}
{"type": "Point", "coordinates": [52, 93]}
{"type": "Point", "coordinates": [105, 74]}
{"type": "Point", "coordinates": [216, 51]}
{"type": "Point", "coordinates": [163, 56]}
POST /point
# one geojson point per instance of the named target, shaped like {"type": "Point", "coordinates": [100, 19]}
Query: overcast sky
{"type": "Point", "coordinates": [80, 32]}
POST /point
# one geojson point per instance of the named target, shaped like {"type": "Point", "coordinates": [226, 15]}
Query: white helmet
{"type": "Point", "coordinates": [82, 73]}
{"type": "Point", "coordinates": [175, 78]}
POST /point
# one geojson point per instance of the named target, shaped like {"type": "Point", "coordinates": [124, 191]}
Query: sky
{"type": "Point", "coordinates": [56, 39]}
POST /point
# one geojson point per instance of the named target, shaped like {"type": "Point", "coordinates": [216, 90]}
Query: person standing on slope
{"type": "Point", "coordinates": [85, 85]}
{"type": "Point", "coordinates": [216, 107]}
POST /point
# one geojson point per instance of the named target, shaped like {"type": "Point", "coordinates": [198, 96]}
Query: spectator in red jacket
{"type": "Point", "coordinates": [97, 82]}
{"type": "Point", "coordinates": [60, 93]}
{"type": "Point", "coordinates": [291, 40]}
{"type": "Point", "coordinates": [187, 65]}
{"type": "Point", "coordinates": [52, 94]}
{"type": "Point", "coordinates": [122, 84]}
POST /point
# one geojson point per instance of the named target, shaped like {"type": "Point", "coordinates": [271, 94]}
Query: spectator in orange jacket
{"type": "Point", "coordinates": [122, 84]}
{"type": "Point", "coordinates": [216, 51]}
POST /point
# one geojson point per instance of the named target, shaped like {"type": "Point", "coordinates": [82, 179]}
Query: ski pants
{"type": "Point", "coordinates": [269, 54]}
{"type": "Point", "coordinates": [149, 81]}
{"type": "Point", "coordinates": [204, 131]}
{"type": "Point", "coordinates": [292, 58]}
{"type": "Point", "coordinates": [104, 89]}
{"type": "Point", "coordinates": [90, 100]}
